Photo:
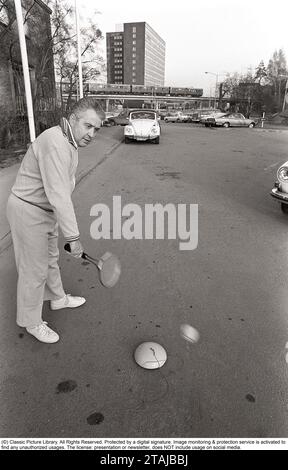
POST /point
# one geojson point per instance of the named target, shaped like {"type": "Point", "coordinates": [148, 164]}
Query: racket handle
{"type": "Point", "coordinates": [68, 248]}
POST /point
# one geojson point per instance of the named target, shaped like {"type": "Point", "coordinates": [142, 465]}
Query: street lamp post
{"type": "Point", "coordinates": [80, 79]}
{"type": "Point", "coordinates": [216, 75]}
{"type": "Point", "coordinates": [285, 100]}
{"type": "Point", "coordinates": [216, 84]}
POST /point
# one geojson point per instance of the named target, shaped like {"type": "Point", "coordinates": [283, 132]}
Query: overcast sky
{"type": "Point", "coordinates": [218, 36]}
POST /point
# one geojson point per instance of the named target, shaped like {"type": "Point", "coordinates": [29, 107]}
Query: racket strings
{"type": "Point", "coordinates": [110, 271]}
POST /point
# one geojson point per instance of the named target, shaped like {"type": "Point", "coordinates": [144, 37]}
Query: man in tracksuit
{"type": "Point", "coordinates": [40, 202]}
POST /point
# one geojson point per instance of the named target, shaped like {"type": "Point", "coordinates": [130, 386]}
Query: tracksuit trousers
{"type": "Point", "coordinates": [35, 238]}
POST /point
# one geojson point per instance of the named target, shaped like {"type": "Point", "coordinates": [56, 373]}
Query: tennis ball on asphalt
{"type": "Point", "coordinates": [189, 333]}
{"type": "Point", "coordinates": [150, 355]}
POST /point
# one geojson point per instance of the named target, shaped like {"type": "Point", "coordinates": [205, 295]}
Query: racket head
{"type": "Point", "coordinates": [110, 269]}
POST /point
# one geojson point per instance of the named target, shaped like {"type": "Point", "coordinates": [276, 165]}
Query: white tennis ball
{"type": "Point", "coordinates": [150, 355]}
{"type": "Point", "coordinates": [189, 333]}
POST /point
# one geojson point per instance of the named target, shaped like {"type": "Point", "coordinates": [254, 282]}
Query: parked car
{"type": "Point", "coordinates": [198, 114]}
{"type": "Point", "coordinates": [108, 116]}
{"type": "Point", "coordinates": [280, 190]}
{"type": "Point", "coordinates": [163, 113]}
{"type": "Point", "coordinates": [230, 120]}
{"type": "Point", "coordinates": [176, 117]}
{"type": "Point", "coordinates": [120, 120]}
{"type": "Point", "coordinates": [212, 114]}
{"type": "Point", "coordinates": [143, 125]}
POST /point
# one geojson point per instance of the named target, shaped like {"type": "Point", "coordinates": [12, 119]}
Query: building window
{"type": "Point", "coordinates": [133, 55]}
{"type": "Point", "coordinates": [134, 36]}
{"type": "Point", "coordinates": [134, 42]}
{"type": "Point", "coordinates": [133, 48]}
{"type": "Point", "coordinates": [134, 29]}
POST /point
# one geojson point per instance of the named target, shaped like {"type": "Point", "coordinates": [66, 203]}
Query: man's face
{"type": "Point", "coordinates": [84, 126]}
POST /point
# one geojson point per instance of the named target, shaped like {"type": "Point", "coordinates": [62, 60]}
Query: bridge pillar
{"type": "Point", "coordinates": [107, 104]}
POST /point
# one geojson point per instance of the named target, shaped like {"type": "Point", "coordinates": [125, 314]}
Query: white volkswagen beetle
{"type": "Point", "coordinates": [143, 125]}
{"type": "Point", "coordinates": [280, 190]}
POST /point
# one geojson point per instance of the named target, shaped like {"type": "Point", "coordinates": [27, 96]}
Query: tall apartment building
{"type": "Point", "coordinates": [135, 55]}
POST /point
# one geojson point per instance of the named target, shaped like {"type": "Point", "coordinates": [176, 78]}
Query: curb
{"type": "Point", "coordinates": [87, 171]}
{"type": "Point", "coordinates": [6, 241]}
{"type": "Point", "coordinates": [269, 129]}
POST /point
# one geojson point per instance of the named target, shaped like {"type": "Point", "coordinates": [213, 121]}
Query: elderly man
{"type": "Point", "coordinates": [40, 201]}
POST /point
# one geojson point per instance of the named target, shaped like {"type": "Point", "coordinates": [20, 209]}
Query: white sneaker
{"type": "Point", "coordinates": [43, 333]}
{"type": "Point", "coordinates": [68, 301]}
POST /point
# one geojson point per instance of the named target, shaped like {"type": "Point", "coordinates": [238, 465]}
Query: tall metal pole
{"type": "Point", "coordinates": [25, 66]}
{"type": "Point", "coordinates": [216, 90]}
{"type": "Point", "coordinates": [285, 100]}
{"type": "Point", "coordinates": [80, 79]}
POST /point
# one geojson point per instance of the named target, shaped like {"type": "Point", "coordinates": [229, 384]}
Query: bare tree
{"type": "Point", "coordinates": [277, 73]}
{"type": "Point", "coordinates": [51, 45]}
{"type": "Point", "coordinates": [64, 47]}
{"type": "Point", "coordinates": [261, 73]}
{"type": "Point", "coordinates": [229, 84]}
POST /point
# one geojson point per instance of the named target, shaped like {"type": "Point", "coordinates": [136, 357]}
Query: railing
{"type": "Point", "coordinates": [20, 106]}
{"type": "Point", "coordinates": [43, 105]}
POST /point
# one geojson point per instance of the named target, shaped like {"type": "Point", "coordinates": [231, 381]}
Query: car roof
{"type": "Point", "coordinates": [145, 110]}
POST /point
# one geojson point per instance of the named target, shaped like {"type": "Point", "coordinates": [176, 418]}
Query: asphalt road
{"type": "Point", "coordinates": [232, 288]}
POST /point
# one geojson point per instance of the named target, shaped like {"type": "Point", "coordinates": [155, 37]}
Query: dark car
{"type": "Point", "coordinates": [121, 119]}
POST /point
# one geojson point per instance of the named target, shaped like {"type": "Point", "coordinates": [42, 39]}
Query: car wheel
{"type": "Point", "coordinates": [251, 125]}
{"type": "Point", "coordinates": [157, 140]}
{"type": "Point", "coordinates": [226, 124]}
{"type": "Point", "coordinates": [127, 140]}
{"type": "Point", "coordinates": [284, 208]}
{"type": "Point", "coordinates": [112, 123]}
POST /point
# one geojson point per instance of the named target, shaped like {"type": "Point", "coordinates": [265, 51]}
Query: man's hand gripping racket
{"type": "Point", "coordinates": [109, 267]}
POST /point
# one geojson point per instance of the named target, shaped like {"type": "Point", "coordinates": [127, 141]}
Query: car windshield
{"type": "Point", "coordinates": [142, 115]}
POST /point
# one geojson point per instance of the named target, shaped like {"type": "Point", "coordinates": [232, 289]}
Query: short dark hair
{"type": "Point", "coordinates": [87, 103]}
